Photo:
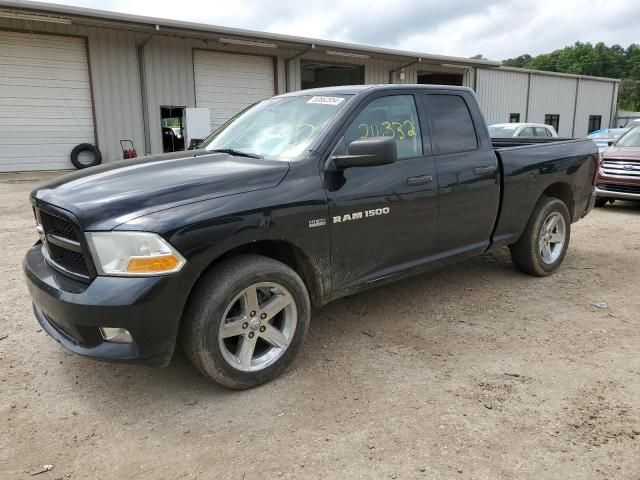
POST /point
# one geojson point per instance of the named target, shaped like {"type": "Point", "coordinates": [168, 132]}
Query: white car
{"type": "Point", "coordinates": [507, 130]}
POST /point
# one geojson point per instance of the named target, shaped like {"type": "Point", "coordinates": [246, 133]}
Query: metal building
{"type": "Point", "coordinates": [71, 75]}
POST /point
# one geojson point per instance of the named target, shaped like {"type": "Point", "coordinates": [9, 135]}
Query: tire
{"type": "Point", "coordinates": [84, 147]}
{"type": "Point", "coordinates": [221, 302]}
{"type": "Point", "coordinates": [530, 253]}
{"type": "Point", "coordinates": [601, 202]}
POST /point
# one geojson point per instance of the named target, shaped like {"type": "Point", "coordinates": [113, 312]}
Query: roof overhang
{"type": "Point", "coordinates": [39, 11]}
{"type": "Point", "coordinates": [558, 74]}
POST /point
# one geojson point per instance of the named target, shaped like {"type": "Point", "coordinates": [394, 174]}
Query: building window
{"type": "Point", "coordinates": [553, 120]}
{"type": "Point", "coordinates": [594, 122]}
{"type": "Point", "coordinates": [514, 118]}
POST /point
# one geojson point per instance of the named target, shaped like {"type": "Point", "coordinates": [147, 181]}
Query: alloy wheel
{"type": "Point", "coordinates": [552, 238]}
{"type": "Point", "coordinates": [258, 326]}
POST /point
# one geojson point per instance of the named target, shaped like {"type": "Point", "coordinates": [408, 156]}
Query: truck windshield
{"type": "Point", "coordinates": [282, 128]}
{"type": "Point", "coordinates": [630, 139]}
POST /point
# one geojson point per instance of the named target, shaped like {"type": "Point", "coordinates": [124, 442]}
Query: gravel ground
{"type": "Point", "coordinates": [475, 371]}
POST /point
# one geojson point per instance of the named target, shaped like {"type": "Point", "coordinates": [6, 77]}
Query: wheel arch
{"type": "Point", "coordinates": [562, 191]}
{"type": "Point", "coordinates": [282, 251]}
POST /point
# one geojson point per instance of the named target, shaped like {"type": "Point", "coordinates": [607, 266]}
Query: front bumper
{"type": "Point", "coordinates": [71, 312]}
{"type": "Point", "coordinates": [617, 195]}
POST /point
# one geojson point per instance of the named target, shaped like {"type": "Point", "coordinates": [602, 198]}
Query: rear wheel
{"type": "Point", "coordinates": [246, 321]}
{"type": "Point", "coordinates": [543, 245]}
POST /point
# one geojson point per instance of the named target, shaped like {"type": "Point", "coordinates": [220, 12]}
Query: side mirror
{"type": "Point", "coordinates": [366, 152]}
{"type": "Point", "coordinates": [611, 142]}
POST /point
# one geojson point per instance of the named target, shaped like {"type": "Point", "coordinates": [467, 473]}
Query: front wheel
{"type": "Point", "coordinates": [601, 202]}
{"type": "Point", "coordinates": [246, 321]}
{"type": "Point", "coordinates": [543, 245]}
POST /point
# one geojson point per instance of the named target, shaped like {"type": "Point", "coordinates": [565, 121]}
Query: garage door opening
{"type": "Point", "coordinates": [46, 108]}
{"type": "Point", "coordinates": [172, 124]}
{"type": "Point", "coordinates": [316, 75]}
{"type": "Point", "coordinates": [434, 78]}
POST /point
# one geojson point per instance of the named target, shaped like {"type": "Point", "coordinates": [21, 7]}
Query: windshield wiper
{"type": "Point", "coordinates": [236, 153]}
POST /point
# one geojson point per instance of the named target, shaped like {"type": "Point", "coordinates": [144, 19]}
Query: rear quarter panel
{"type": "Point", "coordinates": [528, 171]}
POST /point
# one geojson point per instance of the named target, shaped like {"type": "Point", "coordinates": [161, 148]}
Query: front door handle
{"type": "Point", "coordinates": [485, 170]}
{"type": "Point", "coordinates": [419, 180]}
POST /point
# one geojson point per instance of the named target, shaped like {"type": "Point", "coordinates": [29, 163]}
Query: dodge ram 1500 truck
{"type": "Point", "coordinates": [298, 200]}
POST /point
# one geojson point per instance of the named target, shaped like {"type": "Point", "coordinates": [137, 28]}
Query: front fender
{"type": "Point", "coordinates": [206, 230]}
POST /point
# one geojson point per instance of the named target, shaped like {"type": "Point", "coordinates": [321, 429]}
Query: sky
{"type": "Point", "coordinates": [495, 29]}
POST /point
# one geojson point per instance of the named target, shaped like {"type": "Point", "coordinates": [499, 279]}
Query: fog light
{"type": "Point", "coordinates": [115, 335]}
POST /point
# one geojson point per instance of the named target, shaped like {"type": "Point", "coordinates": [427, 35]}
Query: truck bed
{"type": "Point", "coordinates": [530, 167]}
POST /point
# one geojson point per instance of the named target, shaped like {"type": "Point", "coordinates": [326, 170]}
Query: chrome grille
{"type": "Point", "coordinates": [62, 247]}
{"type": "Point", "coordinates": [621, 168]}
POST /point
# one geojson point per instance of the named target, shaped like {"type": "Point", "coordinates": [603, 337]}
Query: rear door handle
{"type": "Point", "coordinates": [485, 170]}
{"type": "Point", "coordinates": [419, 180]}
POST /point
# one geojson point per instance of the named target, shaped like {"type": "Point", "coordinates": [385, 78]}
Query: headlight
{"type": "Point", "coordinates": [133, 254]}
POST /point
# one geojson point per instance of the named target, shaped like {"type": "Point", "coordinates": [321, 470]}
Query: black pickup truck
{"type": "Point", "coordinates": [298, 200]}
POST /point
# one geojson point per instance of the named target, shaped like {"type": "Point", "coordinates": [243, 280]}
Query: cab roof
{"type": "Point", "coordinates": [356, 89]}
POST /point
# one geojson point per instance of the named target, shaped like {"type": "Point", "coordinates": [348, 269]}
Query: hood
{"type": "Point", "coordinates": [627, 153]}
{"type": "Point", "coordinates": [106, 196]}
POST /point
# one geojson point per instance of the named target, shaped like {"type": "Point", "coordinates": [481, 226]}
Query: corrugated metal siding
{"type": "Point", "coordinates": [594, 98]}
{"type": "Point", "coordinates": [501, 93]}
{"type": "Point", "coordinates": [168, 70]}
{"type": "Point", "coordinates": [553, 95]}
{"type": "Point", "coordinates": [115, 80]}
{"type": "Point", "coordinates": [116, 90]}
{"type": "Point", "coordinates": [227, 83]}
{"type": "Point", "coordinates": [614, 107]}
{"type": "Point", "coordinates": [168, 60]}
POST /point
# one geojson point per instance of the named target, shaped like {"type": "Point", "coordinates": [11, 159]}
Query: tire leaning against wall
{"type": "Point", "coordinates": [97, 156]}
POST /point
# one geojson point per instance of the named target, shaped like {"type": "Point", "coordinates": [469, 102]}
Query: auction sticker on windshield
{"type": "Point", "coordinates": [326, 100]}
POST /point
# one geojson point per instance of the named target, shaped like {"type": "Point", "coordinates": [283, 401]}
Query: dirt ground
{"type": "Point", "coordinates": [472, 372]}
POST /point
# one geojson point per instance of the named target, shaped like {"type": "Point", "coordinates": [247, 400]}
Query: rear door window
{"type": "Point", "coordinates": [542, 132]}
{"type": "Point", "coordinates": [452, 128]}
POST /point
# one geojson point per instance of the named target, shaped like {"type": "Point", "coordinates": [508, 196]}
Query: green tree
{"type": "Point", "coordinates": [629, 95]}
{"type": "Point", "coordinates": [597, 60]}
{"type": "Point", "coordinates": [521, 62]}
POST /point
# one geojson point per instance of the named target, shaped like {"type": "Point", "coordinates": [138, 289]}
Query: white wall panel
{"type": "Point", "coordinates": [594, 98]}
{"type": "Point", "coordinates": [501, 93]}
{"type": "Point", "coordinates": [553, 95]}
